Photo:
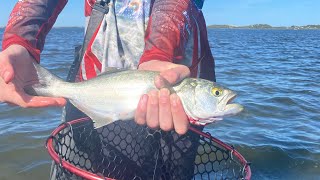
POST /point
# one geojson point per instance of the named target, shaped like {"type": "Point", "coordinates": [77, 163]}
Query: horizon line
{"type": "Point", "coordinates": [2, 27]}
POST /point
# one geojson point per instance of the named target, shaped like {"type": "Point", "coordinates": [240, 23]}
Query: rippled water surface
{"type": "Point", "coordinates": [276, 74]}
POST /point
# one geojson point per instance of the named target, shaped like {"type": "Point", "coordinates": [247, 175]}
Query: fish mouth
{"type": "Point", "coordinates": [227, 109]}
{"type": "Point", "coordinates": [232, 108]}
{"type": "Point", "coordinates": [231, 98]}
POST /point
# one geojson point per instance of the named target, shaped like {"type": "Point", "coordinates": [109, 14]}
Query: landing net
{"type": "Point", "coordinates": [123, 150]}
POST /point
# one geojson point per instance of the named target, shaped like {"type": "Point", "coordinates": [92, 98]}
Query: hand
{"type": "Point", "coordinates": [16, 72]}
{"type": "Point", "coordinates": [159, 108]}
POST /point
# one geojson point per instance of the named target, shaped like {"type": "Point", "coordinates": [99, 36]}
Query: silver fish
{"type": "Point", "coordinates": [115, 95]}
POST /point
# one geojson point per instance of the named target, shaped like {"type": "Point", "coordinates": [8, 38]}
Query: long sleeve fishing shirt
{"type": "Point", "coordinates": [133, 32]}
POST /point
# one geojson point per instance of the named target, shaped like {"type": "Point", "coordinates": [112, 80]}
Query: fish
{"type": "Point", "coordinates": [114, 95]}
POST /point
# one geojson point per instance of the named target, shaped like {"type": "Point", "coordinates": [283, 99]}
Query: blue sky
{"type": "Point", "coordinates": [233, 12]}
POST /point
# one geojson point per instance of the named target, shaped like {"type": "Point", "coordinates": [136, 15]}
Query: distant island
{"type": "Point", "coordinates": [264, 26]}
{"type": "Point", "coordinates": [254, 26]}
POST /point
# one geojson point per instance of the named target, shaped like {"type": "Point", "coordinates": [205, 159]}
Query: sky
{"type": "Point", "coordinates": [231, 12]}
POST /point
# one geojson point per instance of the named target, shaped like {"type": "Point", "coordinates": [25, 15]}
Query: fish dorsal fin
{"type": "Point", "coordinates": [110, 70]}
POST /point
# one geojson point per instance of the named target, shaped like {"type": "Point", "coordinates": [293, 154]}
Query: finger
{"type": "Point", "coordinates": [141, 112]}
{"type": "Point", "coordinates": [165, 117]}
{"type": "Point", "coordinates": [6, 71]}
{"type": "Point", "coordinates": [37, 101]}
{"type": "Point", "coordinates": [179, 116]}
{"type": "Point", "coordinates": [28, 101]}
{"type": "Point", "coordinates": [153, 110]}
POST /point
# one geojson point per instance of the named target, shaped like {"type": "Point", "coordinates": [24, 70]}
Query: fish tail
{"type": "Point", "coordinates": [47, 85]}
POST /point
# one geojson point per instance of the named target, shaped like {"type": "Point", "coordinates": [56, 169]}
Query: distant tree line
{"type": "Point", "coordinates": [264, 26]}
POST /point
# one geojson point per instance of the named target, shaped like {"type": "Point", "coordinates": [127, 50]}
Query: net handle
{"type": "Point", "coordinates": [65, 164]}
{"type": "Point", "coordinates": [231, 149]}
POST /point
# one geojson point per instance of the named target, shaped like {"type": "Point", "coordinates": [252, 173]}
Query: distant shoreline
{"type": "Point", "coordinates": [254, 26]}
{"type": "Point", "coordinates": [265, 26]}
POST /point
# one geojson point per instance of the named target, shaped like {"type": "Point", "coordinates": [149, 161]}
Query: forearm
{"type": "Point", "coordinates": [167, 32]}
{"type": "Point", "coordinates": [29, 23]}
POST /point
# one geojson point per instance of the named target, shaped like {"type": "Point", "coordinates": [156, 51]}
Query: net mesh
{"type": "Point", "coordinates": [123, 150]}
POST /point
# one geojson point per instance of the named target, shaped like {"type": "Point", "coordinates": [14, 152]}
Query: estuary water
{"type": "Point", "coordinates": [276, 74]}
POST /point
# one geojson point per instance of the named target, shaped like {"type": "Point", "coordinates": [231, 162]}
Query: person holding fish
{"type": "Point", "coordinates": [140, 37]}
{"type": "Point", "coordinates": [166, 36]}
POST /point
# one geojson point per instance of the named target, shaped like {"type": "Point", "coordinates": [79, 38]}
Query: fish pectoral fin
{"type": "Point", "coordinates": [126, 115]}
{"type": "Point", "coordinates": [100, 122]}
{"type": "Point", "coordinates": [112, 117]}
{"type": "Point", "coordinates": [99, 118]}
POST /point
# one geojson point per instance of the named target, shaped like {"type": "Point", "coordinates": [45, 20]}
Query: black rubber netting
{"type": "Point", "coordinates": [124, 150]}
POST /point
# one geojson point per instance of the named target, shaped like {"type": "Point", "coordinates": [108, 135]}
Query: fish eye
{"type": "Point", "coordinates": [216, 91]}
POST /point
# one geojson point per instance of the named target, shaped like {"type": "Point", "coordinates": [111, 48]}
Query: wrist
{"type": "Point", "coordinates": [155, 65]}
{"type": "Point", "coordinates": [159, 65]}
{"type": "Point", "coordinates": [16, 40]}
{"type": "Point", "coordinates": [16, 50]}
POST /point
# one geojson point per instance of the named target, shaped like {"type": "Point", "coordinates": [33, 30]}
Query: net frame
{"type": "Point", "coordinates": [91, 176]}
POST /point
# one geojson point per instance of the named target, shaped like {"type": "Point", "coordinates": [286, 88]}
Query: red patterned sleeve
{"type": "Point", "coordinates": [167, 30]}
{"type": "Point", "coordinates": [29, 23]}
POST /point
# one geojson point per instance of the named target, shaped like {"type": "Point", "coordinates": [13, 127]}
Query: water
{"type": "Point", "coordinates": [275, 73]}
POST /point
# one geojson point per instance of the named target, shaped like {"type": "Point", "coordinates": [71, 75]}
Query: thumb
{"type": "Point", "coordinates": [171, 76]}
{"type": "Point", "coordinates": [6, 71]}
